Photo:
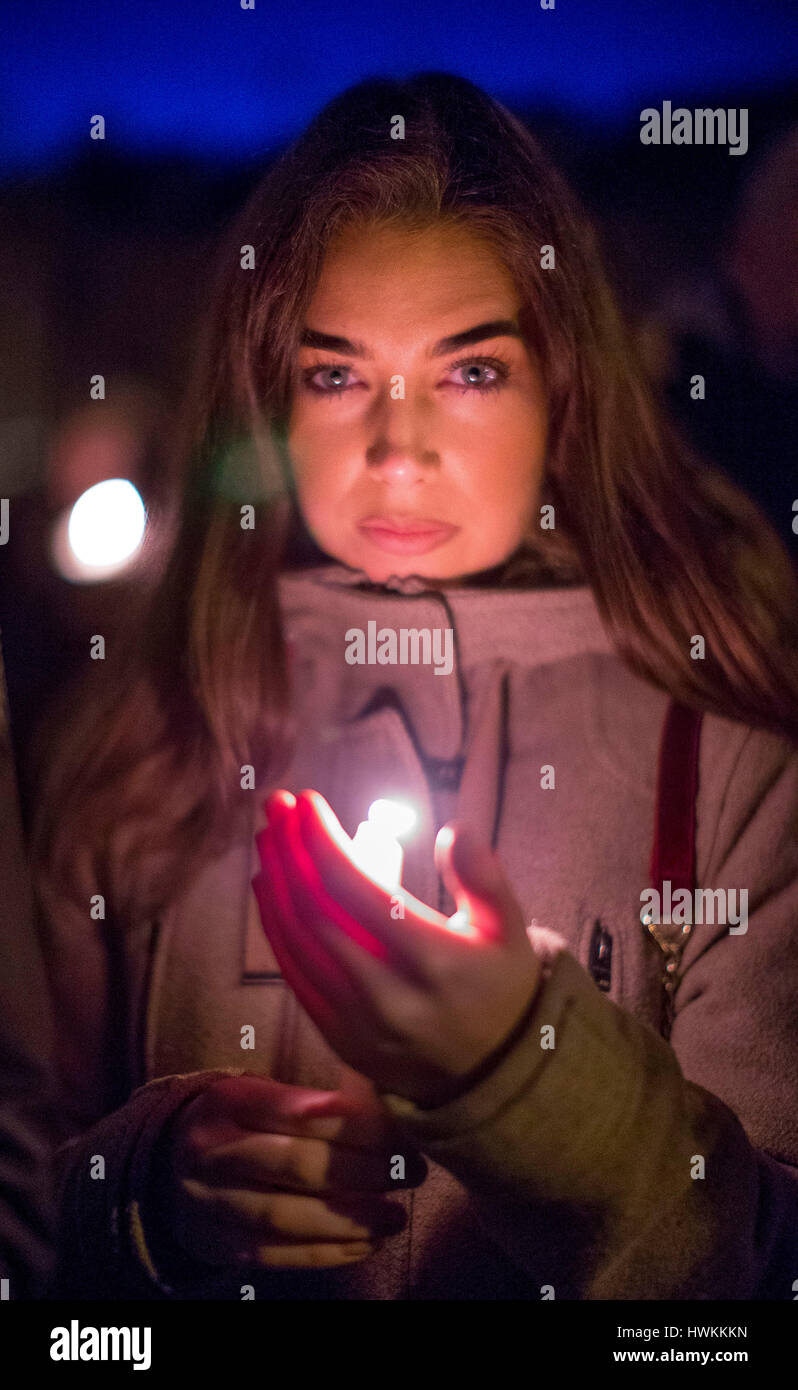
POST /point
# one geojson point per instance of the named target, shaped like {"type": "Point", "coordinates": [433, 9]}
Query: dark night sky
{"type": "Point", "coordinates": [204, 77]}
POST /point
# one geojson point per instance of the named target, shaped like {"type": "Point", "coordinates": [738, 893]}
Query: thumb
{"type": "Point", "coordinates": [474, 876]}
{"type": "Point", "coordinates": [359, 1089]}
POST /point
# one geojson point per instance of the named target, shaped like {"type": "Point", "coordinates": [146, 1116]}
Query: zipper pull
{"type": "Point", "coordinates": [600, 956]}
{"type": "Point", "coordinates": [671, 937]}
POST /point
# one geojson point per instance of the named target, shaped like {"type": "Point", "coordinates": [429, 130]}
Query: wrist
{"type": "Point", "coordinates": [150, 1222]}
{"type": "Point", "coordinates": [461, 1085]}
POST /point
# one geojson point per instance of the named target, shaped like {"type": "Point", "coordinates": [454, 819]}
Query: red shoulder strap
{"type": "Point", "coordinates": [673, 848]}
{"type": "Point", "coordinates": [672, 851]}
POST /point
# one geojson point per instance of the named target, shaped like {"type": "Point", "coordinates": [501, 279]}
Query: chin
{"type": "Point", "coordinates": [436, 566]}
{"type": "Point", "coordinates": [402, 567]}
{"type": "Point", "coordinates": [382, 567]}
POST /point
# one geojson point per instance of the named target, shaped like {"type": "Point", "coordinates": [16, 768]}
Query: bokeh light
{"type": "Point", "coordinates": [101, 534]}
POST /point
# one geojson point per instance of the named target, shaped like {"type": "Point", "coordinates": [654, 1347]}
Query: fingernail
{"type": "Point", "coordinates": [356, 1249]}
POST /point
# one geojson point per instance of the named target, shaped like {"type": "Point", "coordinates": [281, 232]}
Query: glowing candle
{"type": "Point", "coordinates": [376, 848]}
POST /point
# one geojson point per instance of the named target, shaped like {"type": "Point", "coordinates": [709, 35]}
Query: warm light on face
{"type": "Point", "coordinates": [408, 459]}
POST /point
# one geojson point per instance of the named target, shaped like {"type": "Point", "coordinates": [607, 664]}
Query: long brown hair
{"type": "Point", "coordinates": [143, 782]}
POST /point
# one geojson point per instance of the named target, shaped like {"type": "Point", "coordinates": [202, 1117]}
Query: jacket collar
{"type": "Point", "coordinates": [495, 627]}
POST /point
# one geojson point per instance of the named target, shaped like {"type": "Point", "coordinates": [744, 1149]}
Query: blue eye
{"type": "Point", "coordinates": [500, 370]}
{"type": "Point", "coordinates": [476, 367]}
{"type": "Point", "coordinates": [333, 369]}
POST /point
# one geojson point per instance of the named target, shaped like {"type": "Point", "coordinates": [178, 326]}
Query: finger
{"type": "Point", "coordinates": [220, 1243]}
{"type": "Point", "coordinates": [281, 1216]}
{"type": "Point", "coordinates": [341, 880]}
{"type": "Point", "coordinates": [337, 878]}
{"type": "Point", "coordinates": [310, 897]}
{"type": "Point", "coordinates": [260, 1103]}
{"type": "Point", "coordinates": [331, 961]}
{"type": "Point", "coordinates": [474, 876]}
{"type": "Point", "coordinates": [314, 1005]}
{"type": "Point", "coordinates": [430, 936]}
{"type": "Point", "coordinates": [383, 975]}
{"type": "Point", "coordinates": [273, 860]}
{"type": "Point", "coordinates": [297, 873]}
{"type": "Point", "coordinates": [318, 986]}
{"type": "Point", "coordinates": [325, 1255]}
{"type": "Point", "coordinates": [278, 911]}
{"type": "Point", "coordinates": [302, 1164]}
{"type": "Point", "coordinates": [387, 998]}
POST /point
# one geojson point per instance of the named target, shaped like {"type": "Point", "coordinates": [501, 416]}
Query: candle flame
{"type": "Point", "coordinates": [394, 818]}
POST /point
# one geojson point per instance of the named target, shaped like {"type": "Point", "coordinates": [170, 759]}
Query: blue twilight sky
{"type": "Point", "coordinates": [205, 77]}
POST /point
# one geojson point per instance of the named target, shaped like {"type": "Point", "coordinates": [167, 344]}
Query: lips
{"type": "Point", "coordinates": [407, 526]}
{"type": "Point", "coordinates": [407, 535]}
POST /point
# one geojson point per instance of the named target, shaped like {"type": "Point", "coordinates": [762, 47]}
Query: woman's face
{"type": "Point", "coordinates": [413, 454]}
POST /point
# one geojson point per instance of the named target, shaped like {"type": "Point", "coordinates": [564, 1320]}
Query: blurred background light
{"type": "Point", "coordinates": [101, 534]}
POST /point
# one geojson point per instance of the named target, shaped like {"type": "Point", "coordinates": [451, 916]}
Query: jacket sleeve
{"type": "Point", "coordinates": [108, 1183]}
{"type": "Point", "coordinates": [110, 1137]}
{"type": "Point", "coordinates": [619, 1166]}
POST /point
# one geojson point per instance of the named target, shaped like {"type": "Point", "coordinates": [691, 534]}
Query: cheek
{"type": "Point", "coordinates": [322, 431]}
{"type": "Point", "coordinates": [507, 473]}
{"type": "Point", "coordinates": [525, 453]}
{"type": "Point", "coordinates": [314, 494]}
{"type": "Point", "coordinates": [511, 431]}
{"type": "Point", "coordinates": [508, 496]}
{"type": "Point", "coordinates": [313, 459]}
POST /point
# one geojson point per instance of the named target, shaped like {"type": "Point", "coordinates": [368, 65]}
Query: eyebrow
{"type": "Point", "coordinates": [497, 328]}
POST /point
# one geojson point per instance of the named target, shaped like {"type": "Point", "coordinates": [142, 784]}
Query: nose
{"type": "Point", "coordinates": [396, 453]}
{"type": "Point", "coordinates": [395, 465]}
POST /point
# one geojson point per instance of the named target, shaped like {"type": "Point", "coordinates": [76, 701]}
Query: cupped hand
{"type": "Point", "coordinates": [413, 1000]}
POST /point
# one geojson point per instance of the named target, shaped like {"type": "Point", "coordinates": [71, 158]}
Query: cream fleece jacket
{"type": "Point", "coordinates": [615, 1165]}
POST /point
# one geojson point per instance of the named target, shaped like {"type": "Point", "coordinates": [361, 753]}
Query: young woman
{"type": "Point", "coordinates": [416, 407]}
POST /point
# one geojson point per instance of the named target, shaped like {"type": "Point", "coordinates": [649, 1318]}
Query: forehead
{"type": "Point", "coordinates": [389, 274]}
